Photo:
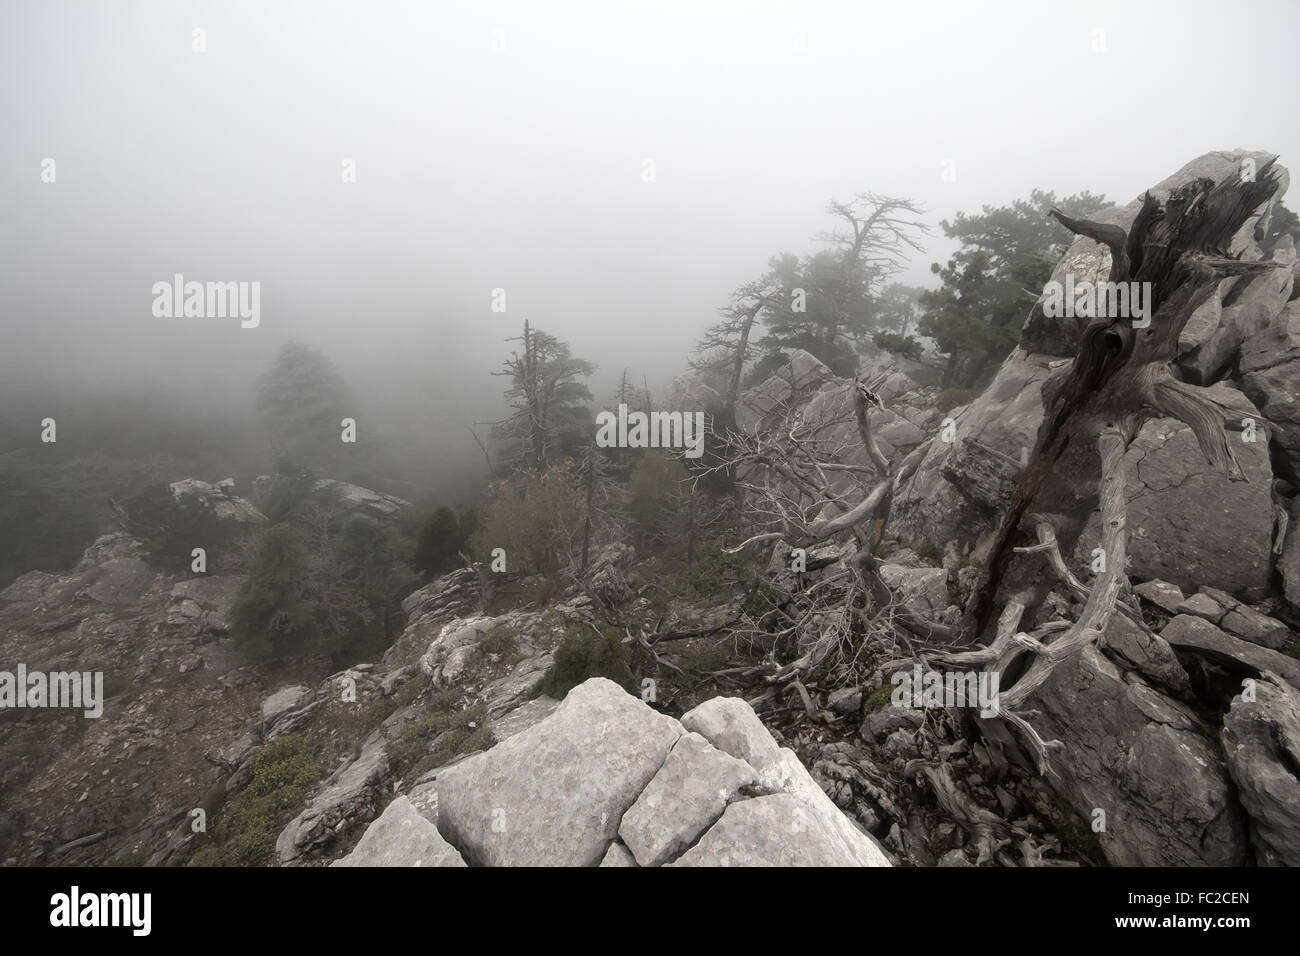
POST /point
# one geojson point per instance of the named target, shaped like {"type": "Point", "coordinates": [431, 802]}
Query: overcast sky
{"type": "Point", "coordinates": [504, 145]}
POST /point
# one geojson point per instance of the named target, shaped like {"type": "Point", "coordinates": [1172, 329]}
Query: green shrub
{"type": "Point", "coordinates": [244, 834]}
{"type": "Point", "coordinates": [272, 615]}
{"type": "Point", "coordinates": [531, 526]}
{"type": "Point", "coordinates": [500, 640]}
{"type": "Point", "coordinates": [441, 538]}
{"type": "Point", "coordinates": [878, 698]}
{"type": "Point", "coordinates": [653, 489]}
{"type": "Point", "coordinates": [700, 658]}
{"type": "Point", "coordinates": [904, 345]}
{"type": "Point", "coordinates": [170, 528]}
{"type": "Point", "coordinates": [717, 575]}
{"type": "Point", "coordinates": [441, 735]}
{"type": "Point", "coordinates": [582, 654]}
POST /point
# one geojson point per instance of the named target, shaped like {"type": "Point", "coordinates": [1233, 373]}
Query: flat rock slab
{"type": "Point", "coordinates": [1187, 523]}
{"type": "Point", "coordinates": [731, 725]}
{"type": "Point", "coordinates": [686, 796]}
{"type": "Point", "coordinates": [554, 794]}
{"type": "Point", "coordinates": [285, 700]}
{"type": "Point", "coordinates": [522, 717]}
{"type": "Point", "coordinates": [1193, 633]}
{"type": "Point", "coordinates": [1162, 594]}
{"type": "Point", "coordinates": [776, 830]}
{"type": "Point", "coordinates": [401, 837]}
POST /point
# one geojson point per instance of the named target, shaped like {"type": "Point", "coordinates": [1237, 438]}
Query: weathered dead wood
{"type": "Point", "coordinates": [1122, 375]}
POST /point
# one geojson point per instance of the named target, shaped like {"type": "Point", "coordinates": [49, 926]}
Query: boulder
{"type": "Point", "coordinates": [960, 488]}
{"type": "Point", "coordinates": [803, 374]}
{"type": "Point", "coordinates": [1247, 623]}
{"type": "Point", "coordinates": [219, 499]}
{"type": "Point", "coordinates": [731, 725]}
{"type": "Point", "coordinates": [1149, 654]}
{"type": "Point", "coordinates": [554, 794]}
{"type": "Point", "coordinates": [1203, 606]}
{"type": "Point", "coordinates": [1089, 261]}
{"type": "Point", "coordinates": [284, 701]}
{"type": "Point", "coordinates": [1188, 523]}
{"type": "Point", "coordinates": [1270, 367]}
{"type": "Point", "coordinates": [355, 499]}
{"type": "Point", "coordinates": [605, 780]}
{"type": "Point", "coordinates": [1162, 594]}
{"type": "Point", "coordinates": [775, 830]}
{"type": "Point", "coordinates": [1250, 305]}
{"type": "Point", "coordinates": [850, 842]}
{"type": "Point", "coordinates": [1288, 563]}
{"type": "Point", "coordinates": [1143, 759]}
{"type": "Point", "coordinates": [686, 796]}
{"type": "Point", "coordinates": [401, 836]}
{"type": "Point", "coordinates": [455, 651]}
{"type": "Point", "coordinates": [1261, 739]}
{"type": "Point", "coordinates": [618, 855]}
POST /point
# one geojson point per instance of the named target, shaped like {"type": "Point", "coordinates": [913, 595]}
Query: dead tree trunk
{"type": "Point", "coordinates": [1121, 376]}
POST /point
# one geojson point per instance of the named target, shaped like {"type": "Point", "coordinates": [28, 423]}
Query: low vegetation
{"type": "Point", "coordinates": [244, 833]}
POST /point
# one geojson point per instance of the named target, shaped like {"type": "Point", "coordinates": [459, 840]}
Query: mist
{"type": "Point", "coordinates": [617, 170]}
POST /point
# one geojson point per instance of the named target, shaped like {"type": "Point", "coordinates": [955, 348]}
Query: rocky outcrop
{"type": "Point", "coordinates": [801, 376]}
{"type": "Point", "coordinates": [346, 498]}
{"type": "Point", "coordinates": [967, 476]}
{"type": "Point", "coordinates": [1188, 524]}
{"type": "Point", "coordinates": [1261, 738]}
{"type": "Point", "coordinates": [1089, 261]}
{"type": "Point", "coordinates": [220, 498]}
{"type": "Point", "coordinates": [556, 793]}
{"type": "Point", "coordinates": [606, 780]}
{"type": "Point", "coordinates": [1147, 762]}
{"type": "Point", "coordinates": [288, 709]}
{"type": "Point", "coordinates": [1246, 307]}
{"type": "Point", "coordinates": [1270, 367]}
{"type": "Point", "coordinates": [961, 489]}
{"type": "Point", "coordinates": [696, 783]}
{"type": "Point", "coordinates": [1191, 633]}
{"type": "Point", "coordinates": [1236, 618]}
{"type": "Point", "coordinates": [350, 794]}
{"type": "Point", "coordinates": [174, 691]}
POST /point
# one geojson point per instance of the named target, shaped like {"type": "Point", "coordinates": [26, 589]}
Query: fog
{"type": "Point", "coordinates": [505, 146]}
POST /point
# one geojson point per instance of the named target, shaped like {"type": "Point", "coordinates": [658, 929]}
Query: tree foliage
{"type": "Point", "coordinates": [533, 520]}
{"type": "Point", "coordinates": [547, 394]}
{"type": "Point", "coordinates": [301, 401]}
{"type": "Point", "coordinates": [322, 581]}
{"type": "Point", "coordinates": [990, 283]}
{"type": "Point", "coordinates": [440, 539]}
